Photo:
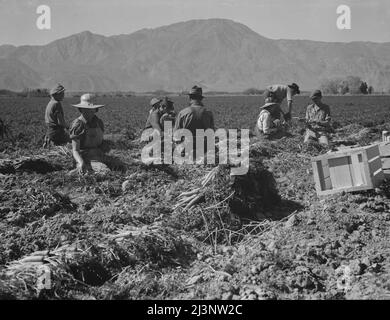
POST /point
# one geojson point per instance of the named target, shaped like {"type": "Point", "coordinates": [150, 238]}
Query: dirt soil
{"type": "Point", "coordinates": [119, 236]}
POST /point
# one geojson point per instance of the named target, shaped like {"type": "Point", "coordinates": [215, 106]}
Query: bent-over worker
{"type": "Point", "coordinates": [279, 92]}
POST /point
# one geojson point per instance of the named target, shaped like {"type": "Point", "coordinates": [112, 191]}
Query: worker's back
{"type": "Point", "coordinates": [196, 116]}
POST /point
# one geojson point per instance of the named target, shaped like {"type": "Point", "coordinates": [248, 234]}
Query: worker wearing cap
{"type": "Point", "coordinates": [153, 121]}
{"type": "Point", "coordinates": [269, 124]}
{"type": "Point", "coordinates": [168, 113]}
{"type": "Point", "coordinates": [279, 92]}
{"type": "Point", "coordinates": [54, 118]}
{"type": "Point", "coordinates": [317, 120]}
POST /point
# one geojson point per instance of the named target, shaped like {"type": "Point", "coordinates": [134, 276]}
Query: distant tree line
{"type": "Point", "coordinates": [253, 91]}
{"type": "Point", "coordinates": [38, 92]}
{"type": "Point", "coordinates": [348, 85]}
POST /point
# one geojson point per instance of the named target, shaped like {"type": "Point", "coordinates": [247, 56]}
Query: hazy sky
{"type": "Point", "coordinates": [297, 19]}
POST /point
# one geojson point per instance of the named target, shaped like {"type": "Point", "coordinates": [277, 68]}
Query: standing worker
{"type": "Point", "coordinates": [317, 120]}
{"type": "Point", "coordinates": [278, 92]}
{"type": "Point", "coordinates": [54, 118]}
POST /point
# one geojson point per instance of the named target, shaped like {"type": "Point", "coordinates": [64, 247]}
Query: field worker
{"type": "Point", "coordinates": [153, 120]}
{"type": "Point", "coordinates": [86, 133]}
{"type": "Point", "coordinates": [279, 92]}
{"type": "Point", "coordinates": [317, 120]}
{"type": "Point", "coordinates": [195, 116]}
{"type": "Point", "coordinates": [154, 104]}
{"type": "Point", "coordinates": [54, 118]}
{"type": "Point", "coordinates": [269, 124]}
{"type": "Point", "coordinates": [168, 113]}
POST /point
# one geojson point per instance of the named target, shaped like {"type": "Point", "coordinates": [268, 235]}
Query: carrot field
{"type": "Point", "coordinates": [25, 116]}
{"type": "Point", "coordinates": [126, 235]}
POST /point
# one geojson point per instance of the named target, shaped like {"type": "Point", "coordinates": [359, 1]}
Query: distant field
{"type": "Point", "coordinates": [25, 116]}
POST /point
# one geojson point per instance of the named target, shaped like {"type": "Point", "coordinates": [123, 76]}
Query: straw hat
{"type": "Point", "coordinates": [87, 102]}
{"type": "Point", "coordinates": [154, 101]}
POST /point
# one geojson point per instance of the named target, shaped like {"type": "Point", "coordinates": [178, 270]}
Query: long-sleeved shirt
{"type": "Point", "coordinates": [280, 92]}
{"type": "Point", "coordinates": [318, 113]}
{"type": "Point", "coordinates": [265, 122]}
{"type": "Point", "coordinates": [54, 113]}
{"type": "Point", "coordinates": [196, 116]}
{"type": "Point", "coordinates": [153, 120]}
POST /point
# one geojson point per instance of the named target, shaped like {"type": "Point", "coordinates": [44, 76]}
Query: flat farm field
{"type": "Point", "coordinates": [134, 234]}
{"type": "Point", "coordinates": [25, 116]}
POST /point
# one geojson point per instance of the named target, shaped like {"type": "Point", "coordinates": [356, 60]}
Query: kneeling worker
{"type": "Point", "coordinates": [269, 124]}
{"type": "Point", "coordinates": [317, 120]}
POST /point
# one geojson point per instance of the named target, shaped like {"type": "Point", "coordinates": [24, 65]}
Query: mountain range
{"type": "Point", "coordinates": [217, 54]}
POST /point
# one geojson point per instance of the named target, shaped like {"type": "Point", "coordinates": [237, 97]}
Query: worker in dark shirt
{"type": "Point", "coordinates": [195, 116]}
{"type": "Point", "coordinates": [54, 118]}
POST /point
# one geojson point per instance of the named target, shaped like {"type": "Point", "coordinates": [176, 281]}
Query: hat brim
{"type": "Point", "coordinates": [88, 106]}
{"type": "Point", "coordinates": [196, 95]}
{"type": "Point", "coordinates": [269, 104]}
{"type": "Point", "coordinates": [52, 93]}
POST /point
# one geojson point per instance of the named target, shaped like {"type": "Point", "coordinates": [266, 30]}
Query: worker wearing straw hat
{"type": "Point", "coordinates": [269, 124]}
{"type": "Point", "coordinates": [86, 133]}
{"type": "Point", "coordinates": [54, 118]}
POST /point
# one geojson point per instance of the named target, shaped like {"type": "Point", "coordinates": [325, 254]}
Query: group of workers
{"type": "Point", "coordinates": [271, 123]}
{"type": "Point", "coordinates": [86, 132]}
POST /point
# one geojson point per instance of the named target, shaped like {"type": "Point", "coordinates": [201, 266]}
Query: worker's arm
{"type": "Point", "coordinates": [81, 165]}
{"type": "Point", "coordinates": [61, 120]}
{"type": "Point", "coordinates": [59, 113]}
{"type": "Point", "coordinates": [326, 122]}
{"type": "Point", "coordinates": [287, 116]}
{"type": "Point", "coordinates": [212, 125]}
{"type": "Point", "coordinates": [155, 121]}
{"type": "Point", "coordinates": [178, 126]}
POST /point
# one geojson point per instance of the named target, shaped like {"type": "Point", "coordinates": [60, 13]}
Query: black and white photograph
{"type": "Point", "coordinates": [213, 151]}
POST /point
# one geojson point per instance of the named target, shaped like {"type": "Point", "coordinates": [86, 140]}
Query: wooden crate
{"type": "Point", "coordinates": [384, 150]}
{"type": "Point", "coordinates": [350, 169]}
